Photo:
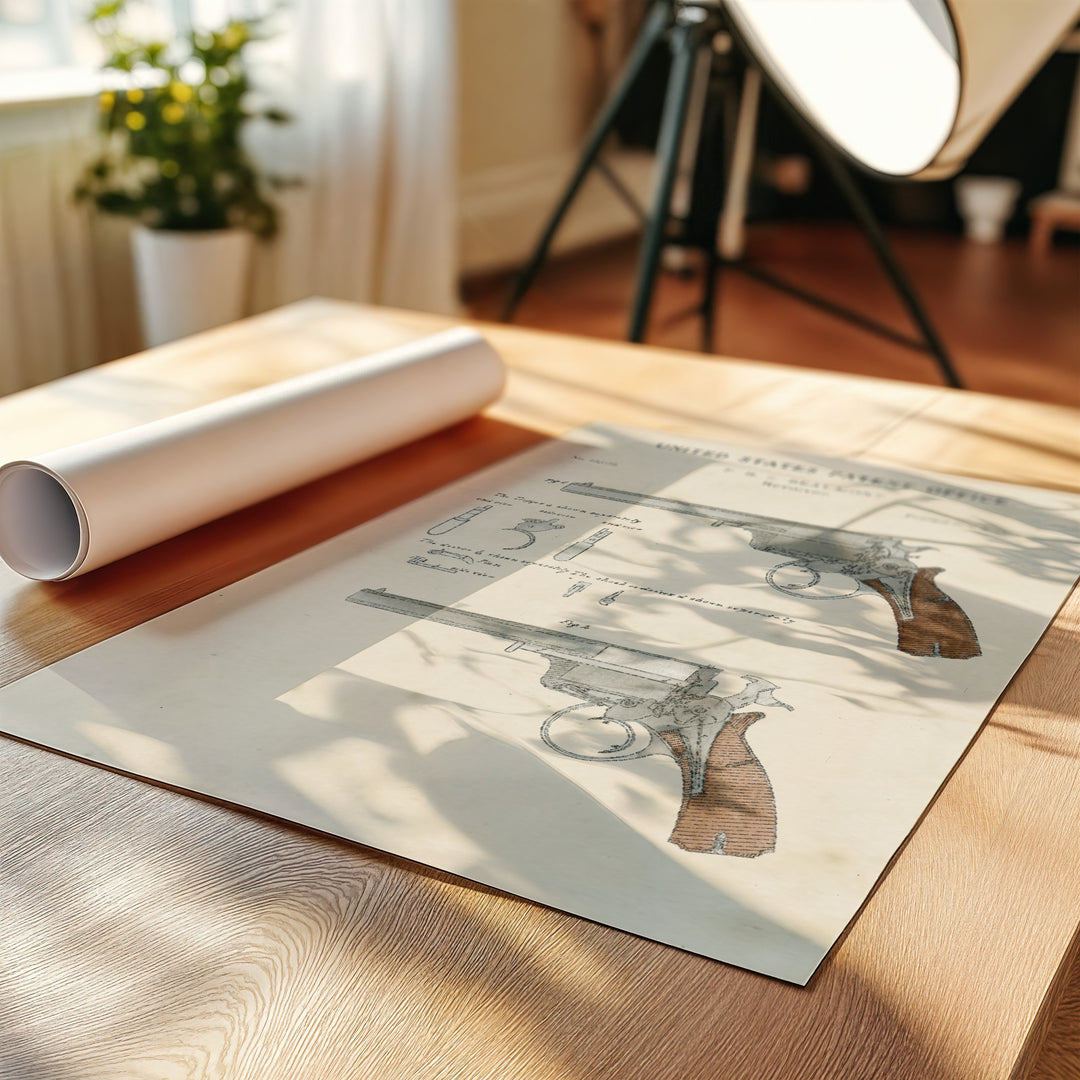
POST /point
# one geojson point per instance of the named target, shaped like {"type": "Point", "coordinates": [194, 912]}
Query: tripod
{"type": "Point", "coordinates": [690, 27]}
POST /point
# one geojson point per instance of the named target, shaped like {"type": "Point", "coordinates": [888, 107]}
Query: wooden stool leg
{"type": "Point", "coordinates": [1042, 232]}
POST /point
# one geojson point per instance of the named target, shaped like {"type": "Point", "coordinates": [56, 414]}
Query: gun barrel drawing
{"type": "Point", "coordinates": [654, 703]}
{"type": "Point", "coordinates": [928, 622]}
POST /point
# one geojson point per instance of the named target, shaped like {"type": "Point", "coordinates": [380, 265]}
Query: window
{"type": "Point", "coordinates": [36, 34]}
{"type": "Point", "coordinates": [47, 51]}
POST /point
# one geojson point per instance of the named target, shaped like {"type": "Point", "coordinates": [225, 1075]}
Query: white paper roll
{"type": "Point", "coordinates": [69, 511]}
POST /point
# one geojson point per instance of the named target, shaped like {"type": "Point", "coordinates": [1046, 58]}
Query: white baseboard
{"type": "Point", "coordinates": [503, 209]}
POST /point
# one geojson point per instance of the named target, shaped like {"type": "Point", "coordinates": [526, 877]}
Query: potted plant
{"type": "Point", "coordinates": [172, 158]}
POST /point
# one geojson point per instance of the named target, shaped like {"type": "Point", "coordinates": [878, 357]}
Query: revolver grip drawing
{"type": "Point", "coordinates": [937, 625]}
{"type": "Point", "coordinates": [735, 811]}
{"type": "Point", "coordinates": [653, 704]}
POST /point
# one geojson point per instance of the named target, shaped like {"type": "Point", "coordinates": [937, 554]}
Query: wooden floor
{"type": "Point", "coordinates": [1010, 320]}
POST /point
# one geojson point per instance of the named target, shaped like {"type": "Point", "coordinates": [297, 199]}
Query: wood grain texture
{"type": "Point", "coordinates": [1059, 1056]}
{"type": "Point", "coordinates": [153, 935]}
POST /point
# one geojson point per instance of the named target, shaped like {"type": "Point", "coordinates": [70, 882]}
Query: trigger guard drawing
{"type": "Point", "coordinates": [803, 589]}
{"type": "Point", "coordinates": [622, 751]}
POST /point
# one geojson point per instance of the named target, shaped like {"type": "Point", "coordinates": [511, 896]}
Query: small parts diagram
{"type": "Point", "coordinates": [529, 527]}
{"type": "Point", "coordinates": [574, 550]}
{"type": "Point", "coordinates": [457, 521]}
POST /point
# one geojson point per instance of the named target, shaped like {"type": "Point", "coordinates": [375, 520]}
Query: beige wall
{"type": "Point", "coordinates": [524, 71]}
{"type": "Point", "coordinates": [526, 96]}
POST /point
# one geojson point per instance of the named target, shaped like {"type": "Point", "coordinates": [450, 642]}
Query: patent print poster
{"type": "Point", "coordinates": [692, 691]}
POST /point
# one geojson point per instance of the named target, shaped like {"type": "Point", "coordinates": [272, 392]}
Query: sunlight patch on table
{"type": "Point", "coordinates": [355, 781]}
{"type": "Point", "coordinates": [136, 752]}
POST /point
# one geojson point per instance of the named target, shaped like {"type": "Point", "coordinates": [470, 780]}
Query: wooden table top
{"type": "Point", "coordinates": [150, 934]}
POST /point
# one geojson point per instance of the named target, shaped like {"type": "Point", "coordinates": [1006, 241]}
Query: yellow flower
{"type": "Point", "coordinates": [135, 96]}
{"type": "Point", "coordinates": [172, 113]}
{"type": "Point", "coordinates": [170, 168]}
{"type": "Point", "coordinates": [181, 91]}
{"type": "Point", "coordinates": [233, 36]}
{"type": "Point", "coordinates": [135, 121]}
{"type": "Point", "coordinates": [106, 100]}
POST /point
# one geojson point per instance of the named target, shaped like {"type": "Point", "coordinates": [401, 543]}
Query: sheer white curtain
{"type": "Point", "coordinates": [373, 142]}
{"type": "Point", "coordinates": [65, 283]}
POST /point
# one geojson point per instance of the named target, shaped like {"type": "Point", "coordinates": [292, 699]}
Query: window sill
{"type": "Point", "coordinates": [52, 86]}
{"type": "Point", "coordinates": [47, 87]}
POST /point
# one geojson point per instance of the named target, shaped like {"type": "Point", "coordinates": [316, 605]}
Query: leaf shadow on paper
{"type": "Point", "coordinates": [630, 998]}
{"type": "Point", "coordinates": [232, 748]}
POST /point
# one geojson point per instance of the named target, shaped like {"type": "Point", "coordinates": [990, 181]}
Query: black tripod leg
{"type": "Point", "coordinates": [709, 287]}
{"type": "Point", "coordinates": [685, 40]}
{"type": "Point", "coordinates": [882, 249]}
{"type": "Point", "coordinates": [716, 200]}
{"type": "Point", "coordinates": [652, 31]}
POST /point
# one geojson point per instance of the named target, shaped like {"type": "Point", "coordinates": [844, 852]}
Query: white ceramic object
{"type": "Point", "coordinates": [189, 281]}
{"type": "Point", "coordinates": [986, 203]}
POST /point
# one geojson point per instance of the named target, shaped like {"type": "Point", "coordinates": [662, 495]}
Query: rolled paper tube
{"type": "Point", "coordinates": [70, 511]}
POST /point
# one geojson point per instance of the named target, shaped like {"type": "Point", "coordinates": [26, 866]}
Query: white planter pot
{"type": "Point", "coordinates": [189, 281]}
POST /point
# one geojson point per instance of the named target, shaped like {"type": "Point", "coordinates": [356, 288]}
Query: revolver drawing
{"type": "Point", "coordinates": [653, 704]}
{"type": "Point", "coordinates": [928, 622]}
